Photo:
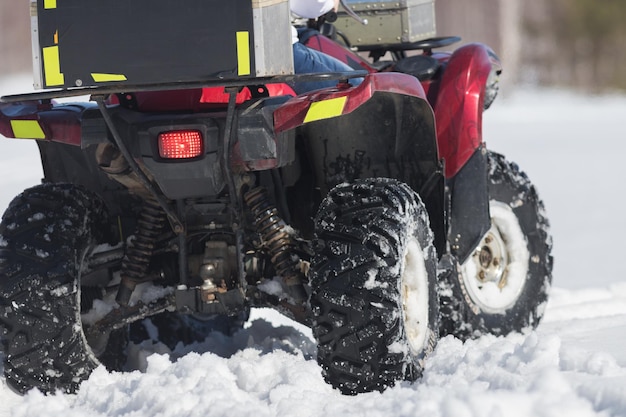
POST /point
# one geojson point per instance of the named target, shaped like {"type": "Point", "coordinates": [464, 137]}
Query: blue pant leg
{"type": "Point", "coordinates": [307, 61]}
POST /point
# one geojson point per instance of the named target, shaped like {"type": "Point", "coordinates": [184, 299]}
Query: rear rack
{"type": "Point", "coordinates": [126, 88]}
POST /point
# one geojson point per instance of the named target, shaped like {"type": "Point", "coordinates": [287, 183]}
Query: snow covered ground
{"type": "Point", "coordinates": [574, 365]}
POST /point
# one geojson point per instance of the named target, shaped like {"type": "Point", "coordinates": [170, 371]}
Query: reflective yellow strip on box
{"type": "Point", "coordinates": [27, 129]}
{"type": "Point", "coordinates": [243, 53]}
{"type": "Point", "coordinates": [325, 109]}
{"type": "Point", "coordinates": [104, 78]}
{"type": "Point", "coordinates": [52, 66]}
{"type": "Point", "coordinates": [49, 4]}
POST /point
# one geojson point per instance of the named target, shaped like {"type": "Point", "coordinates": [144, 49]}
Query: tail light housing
{"type": "Point", "coordinates": [181, 144]}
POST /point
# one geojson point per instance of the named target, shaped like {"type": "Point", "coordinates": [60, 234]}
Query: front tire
{"type": "Point", "coordinates": [374, 299]}
{"type": "Point", "coordinates": [46, 236]}
{"type": "Point", "coordinates": [503, 285]}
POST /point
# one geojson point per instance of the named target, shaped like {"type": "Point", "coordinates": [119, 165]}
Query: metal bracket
{"type": "Point", "coordinates": [177, 225]}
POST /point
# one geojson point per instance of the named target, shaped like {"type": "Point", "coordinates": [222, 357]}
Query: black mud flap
{"type": "Point", "coordinates": [469, 202]}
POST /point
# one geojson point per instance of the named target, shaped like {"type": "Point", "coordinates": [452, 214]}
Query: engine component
{"type": "Point", "coordinates": [112, 162]}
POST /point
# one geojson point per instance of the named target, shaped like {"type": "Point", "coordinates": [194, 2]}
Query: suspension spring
{"type": "Point", "coordinates": [275, 236]}
{"type": "Point", "coordinates": [139, 251]}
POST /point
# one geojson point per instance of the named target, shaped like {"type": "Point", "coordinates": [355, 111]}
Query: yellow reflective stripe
{"type": "Point", "coordinates": [49, 4]}
{"type": "Point", "coordinates": [103, 78]}
{"type": "Point", "coordinates": [52, 66]}
{"type": "Point", "coordinates": [325, 109]}
{"type": "Point", "coordinates": [243, 53]}
{"type": "Point", "coordinates": [27, 129]}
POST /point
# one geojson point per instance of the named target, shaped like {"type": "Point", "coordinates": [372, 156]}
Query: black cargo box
{"type": "Point", "coordinates": [83, 43]}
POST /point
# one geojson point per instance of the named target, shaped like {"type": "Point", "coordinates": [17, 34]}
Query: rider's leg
{"type": "Point", "coordinates": [307, 60]}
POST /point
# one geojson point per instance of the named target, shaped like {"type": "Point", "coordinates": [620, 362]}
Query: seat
{"type": "Point", "coordinates": [424, 67]}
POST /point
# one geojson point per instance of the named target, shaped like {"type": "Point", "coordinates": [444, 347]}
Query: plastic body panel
{"type": "Point", "coordinates": [459, 105]}
{"type": "Point", "coordinates": [469, 208]}
{"type": "Point", "coordinates": [44, 121]}
{"type": "Point", "coordinates": [457, 96]}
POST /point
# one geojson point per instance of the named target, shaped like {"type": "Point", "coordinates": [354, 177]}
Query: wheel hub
{"type": "Point", "coordinates": [415, 296]}
{"type": "Point", "coordinates": [495, 274]}
{"type": "Point", "coordinates": [491, 258]}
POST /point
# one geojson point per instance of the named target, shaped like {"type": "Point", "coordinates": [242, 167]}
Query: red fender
{"type": "Point", "coordinates": [297, 110]}
{"type": "Point", "coordinates": [43, 121]}
{"type": "Point", "coordinates": [459, 105]}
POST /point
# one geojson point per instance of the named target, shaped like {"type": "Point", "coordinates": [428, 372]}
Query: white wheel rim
{"type": "Point", "coordinates": [414, 291]}
{"type": "Point", "coordinates": [495, 273]}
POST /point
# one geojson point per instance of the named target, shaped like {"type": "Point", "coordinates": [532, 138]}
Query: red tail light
{"type": "Point", "coordinates": [181, 144]}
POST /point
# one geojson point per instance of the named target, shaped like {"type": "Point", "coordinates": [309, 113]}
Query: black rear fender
{"type": "Point", "coordinates": [390, 134]}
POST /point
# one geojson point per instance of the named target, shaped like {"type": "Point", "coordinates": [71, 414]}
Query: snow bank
{"type": "Point", "coordinates": [271, 371]}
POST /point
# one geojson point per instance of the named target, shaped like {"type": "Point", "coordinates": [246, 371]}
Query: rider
{"type": "Point", "coordinates": [307, 60]}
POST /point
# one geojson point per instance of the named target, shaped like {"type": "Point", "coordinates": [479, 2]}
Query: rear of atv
{"type": "Point", "coordinates": [202, 214]}
{"type": "Point", "coordinates": [188, 203]}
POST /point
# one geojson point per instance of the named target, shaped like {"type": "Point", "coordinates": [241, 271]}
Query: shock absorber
{"type": "Point", "coordinates": [139, 251]}
{"type": "Point", "coordinates": [278, 241]}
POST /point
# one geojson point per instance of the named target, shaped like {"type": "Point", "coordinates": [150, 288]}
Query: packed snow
{"type": "Point", "coordinates": [574, 364]}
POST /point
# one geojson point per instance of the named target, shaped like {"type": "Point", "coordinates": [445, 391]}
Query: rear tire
{"type": "Point", "coordinates": [374, 298]}
{"type": "Point", "coordinates": [503, 286]}
{"type": "Point", "coordinates": [46, 236]}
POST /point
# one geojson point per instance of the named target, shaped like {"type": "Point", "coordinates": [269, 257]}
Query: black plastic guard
{"type": "Point", "coordinates": [469, 201]}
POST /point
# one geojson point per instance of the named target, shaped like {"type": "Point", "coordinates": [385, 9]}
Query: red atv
{"type": "Point", "coordinates": [373, 213]}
